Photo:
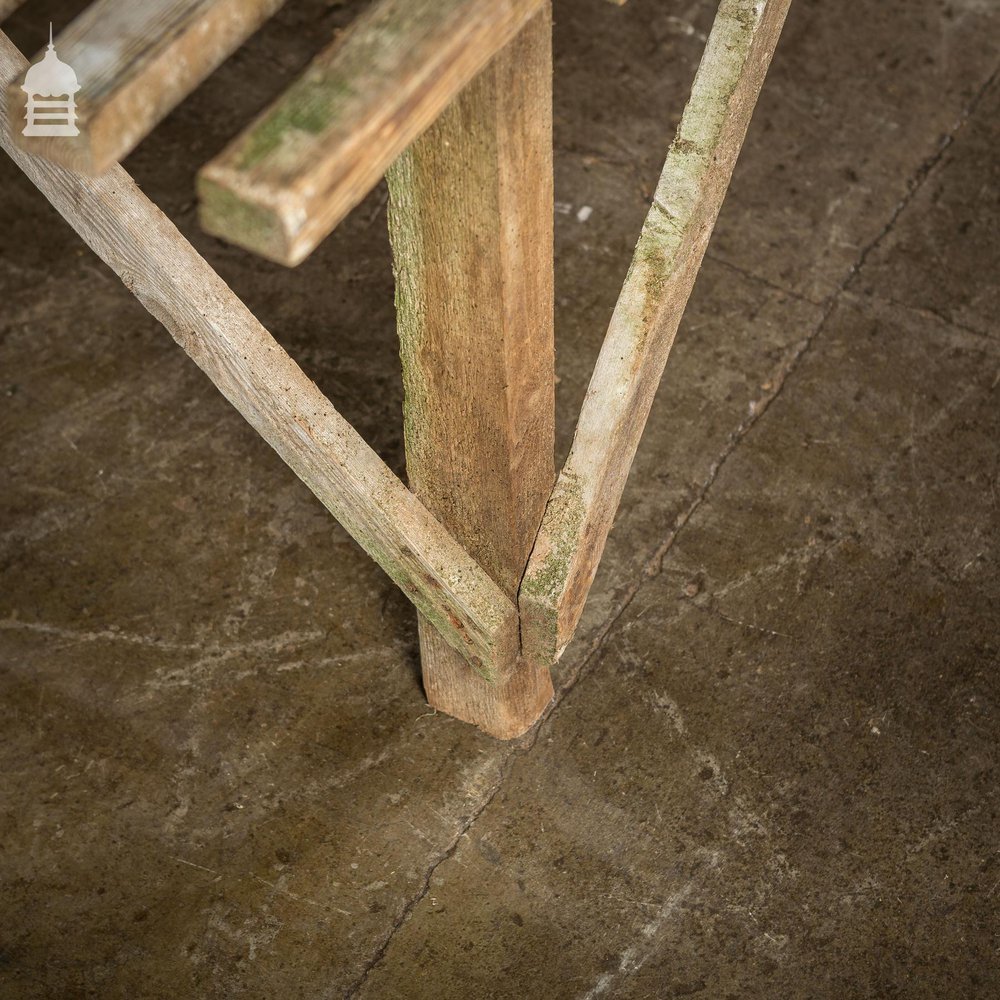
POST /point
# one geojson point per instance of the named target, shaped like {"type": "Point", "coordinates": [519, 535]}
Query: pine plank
{"type": "Point", "coordinates": [666, 262]}
{"type": "Point", "coordinates": [127, 231]}
{"type": "Point", "coordinates": [135, 62]}
{"type": "Point", "coordinates": [283, 185]}
{"type": "Point", "coordinates": [470, 212]}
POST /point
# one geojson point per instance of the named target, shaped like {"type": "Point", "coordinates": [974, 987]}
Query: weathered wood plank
{"type": "Point", "coordinates": [252, 371]}
{"type": "Point", "coordinates": [285, 183]}
{"type": "Point", "coordinates": [135, 62]}
{"type": "Point", "coordinates": [669, 253]}
{"type": "Point", "coordinates": [470, 216]}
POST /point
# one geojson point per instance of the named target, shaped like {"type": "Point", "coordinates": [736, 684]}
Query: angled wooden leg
{"type": "Point", "coordinates": [471, 225]}
{"type": "Point", "coordinates": [666, 262]}
{"type": "Point", "coordinates": [165, 273]}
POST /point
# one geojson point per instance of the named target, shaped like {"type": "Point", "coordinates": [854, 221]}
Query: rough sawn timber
{"type": "Point", "coordinates": [667, 258]}
{"type": "Point", "coordinates": [130, 234]}
{"type": "Point", "coordinates": [471, 219]}
{"type": "Point", "coordinates": [282, 186]}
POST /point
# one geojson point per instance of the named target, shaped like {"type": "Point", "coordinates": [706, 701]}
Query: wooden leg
{"type": "Point", "coordinates": [667, 259]}
{"type": "Point", "coordinates": [137, 62]}
{"type": "Point", "coordinates": [471, 225]}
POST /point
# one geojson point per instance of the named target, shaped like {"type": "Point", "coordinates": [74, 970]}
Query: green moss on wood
{"type": "Point", "coordinates": [561, 531]}
{"type": "Point", "coordinates": [309, 107]}
{"type": "Point", "coordinates": [224, 213]}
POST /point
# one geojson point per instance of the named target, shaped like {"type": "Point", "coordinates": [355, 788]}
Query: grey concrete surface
{"type": "Point", "coordinates": [771, 766]}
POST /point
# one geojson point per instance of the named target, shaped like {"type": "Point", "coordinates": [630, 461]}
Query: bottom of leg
{"type": "Point", "coordinates": [503, 710]}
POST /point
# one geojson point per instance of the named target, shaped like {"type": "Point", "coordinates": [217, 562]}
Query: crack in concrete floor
{"type": "Point", "coordinates": [652, 565]}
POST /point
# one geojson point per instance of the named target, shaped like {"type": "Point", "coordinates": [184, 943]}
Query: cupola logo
{"type": "Point", "coordinates": [50, 78]}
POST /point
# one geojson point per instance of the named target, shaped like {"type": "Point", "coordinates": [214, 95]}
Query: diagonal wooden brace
{"type": "Point", "coordinates": [692, 187]}
{"type": "Point", "coordinates": [127, 231]}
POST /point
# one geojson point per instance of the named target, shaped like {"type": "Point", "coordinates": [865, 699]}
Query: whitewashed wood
{"type": "Point", "coordinates": [135, 62]}
{"type": "Point", "coordinates": [254, 373]}
{"type": "Point", "coordinates": [667, 259]}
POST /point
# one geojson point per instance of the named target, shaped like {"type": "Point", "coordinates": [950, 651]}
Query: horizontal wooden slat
{"type": "Point", "coordinates": [135, 62]}
{"type": "Point", "coordinates": [252, 371]}
{"type": "Point", "coordinates": [669, 253]}
{"type": "Point", "coordinates": [286, 182]}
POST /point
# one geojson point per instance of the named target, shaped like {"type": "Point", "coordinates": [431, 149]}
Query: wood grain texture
{"type": "Point", "coordinates": [663, 270]}
{"type": "Point", "coordinates": [284, 184]}
{"type": "Point", "coordinates": [470, 215]}
{"type": "Point", "coordinates": [254, 373]}
{"type": "Point", "coordinates": [135, 62]}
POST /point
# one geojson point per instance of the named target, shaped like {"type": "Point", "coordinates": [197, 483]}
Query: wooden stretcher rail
{"type": "Point", "coordinates": [691, 189]}
{"type": "Point", "coordinates": [254, 373]}
{"type": "Point", "coordinates": [291, 177]}
{"type": "Point", "coordinates": [135, 62]}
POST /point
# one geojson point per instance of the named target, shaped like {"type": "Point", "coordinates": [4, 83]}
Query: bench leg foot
{"type": "Point", "coordinates": [470, 218]}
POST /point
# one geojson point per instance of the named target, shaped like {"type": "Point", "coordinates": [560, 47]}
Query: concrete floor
{"type": "Point", "coordinates": [771, 766]}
